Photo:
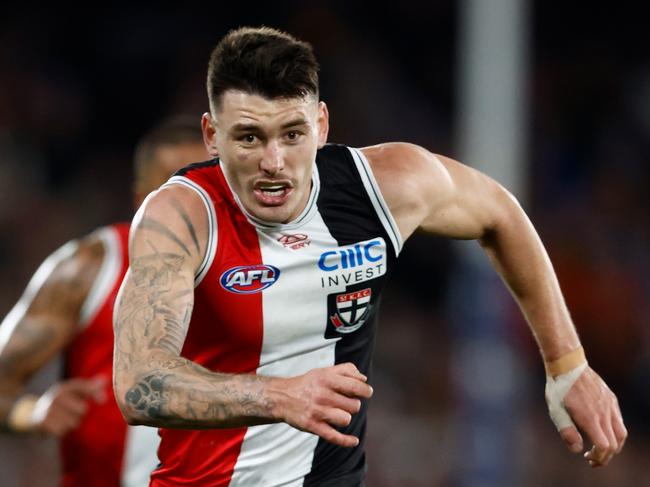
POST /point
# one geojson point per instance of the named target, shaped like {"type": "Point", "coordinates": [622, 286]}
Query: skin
{"type": "Point", "coordinates": [46, 318]}
{"type": "Point", "coordinates": [265, 144]}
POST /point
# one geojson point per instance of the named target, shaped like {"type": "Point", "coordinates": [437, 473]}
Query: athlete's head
{"type": "Point", "coordinates": [163, 150]}
{"type": "Point", "coordinates": [265, 122]}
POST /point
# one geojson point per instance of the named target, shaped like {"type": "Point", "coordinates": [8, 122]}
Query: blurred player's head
{"type": "Point", "coordinates": [163, 150]}
{"type": "Point", "coordinates": [265, 122]}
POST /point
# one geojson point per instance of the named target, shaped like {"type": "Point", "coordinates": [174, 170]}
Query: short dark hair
{"type": "Point", "coordinates": [262, 61]}
{"type": "Point", "coordinates": [176, 130]}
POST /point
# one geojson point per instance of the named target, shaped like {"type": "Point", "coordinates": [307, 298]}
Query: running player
{"type": "Point", "coordinates": [246, 322]}
{"type": "Point", "coordinates": [67, 308]}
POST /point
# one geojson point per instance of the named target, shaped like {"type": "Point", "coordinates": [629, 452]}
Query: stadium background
{"type": "Point", "coordinates": [76, 91]}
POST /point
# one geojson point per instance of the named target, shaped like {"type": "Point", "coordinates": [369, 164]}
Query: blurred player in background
{"type": "Point", "coordinates": [67, 309]}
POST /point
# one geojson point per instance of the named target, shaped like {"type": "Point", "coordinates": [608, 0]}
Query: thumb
{"type": "Point", "coordinates": [97, 388]}
{"type": "Point", "coordinates": [572, 438]}
{"type": "Point", "coordinates": [93, 388]}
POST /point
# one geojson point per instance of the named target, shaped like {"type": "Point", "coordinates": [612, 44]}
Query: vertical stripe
{"type": "Point", "coordinates": [140, 458]}
{"type": "Point", "coordinates": [225, 335]}
{"type": "Point", "coordinates": [106, 277]}
{"type": "Point", "coordinates": [295, 315]}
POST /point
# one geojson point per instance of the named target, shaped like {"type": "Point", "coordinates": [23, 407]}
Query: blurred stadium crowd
{"type": "Point", "coordinates": [74, 97]}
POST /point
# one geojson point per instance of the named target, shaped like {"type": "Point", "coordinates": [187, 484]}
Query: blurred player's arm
{"type": "Point", "coordinates": [39, 326]}
{"type": "Point", "coordinates": [155, 386]}
{"type": "Point", "coordinates": [447, 198]}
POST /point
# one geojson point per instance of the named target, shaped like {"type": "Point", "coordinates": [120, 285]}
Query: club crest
{"type": "Point", "coordinates": [352, 310]}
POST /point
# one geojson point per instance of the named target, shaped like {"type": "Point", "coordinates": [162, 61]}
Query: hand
{"type": "Point", "coordinates": [594, 409]}
{"type": "Point", "coordinates": [322, 399]}
{"type": "Point", "coordinates": [64, 405]}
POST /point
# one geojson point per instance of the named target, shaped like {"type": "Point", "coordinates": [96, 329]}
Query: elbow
{"type": "Point", "coordinates": [134, 401]}
{"type": "Point", "coordinates": [506, 216]}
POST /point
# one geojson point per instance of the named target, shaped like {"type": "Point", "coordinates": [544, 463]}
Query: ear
{"type": "Point", "coordinates": [209, 132]}
{"type": "Point", "coordinates": [323, 124]}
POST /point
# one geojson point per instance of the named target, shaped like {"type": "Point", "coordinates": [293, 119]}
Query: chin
{"type": "Point", "coordinates": [273, 214]}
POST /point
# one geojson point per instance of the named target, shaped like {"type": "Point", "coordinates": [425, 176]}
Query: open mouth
{"type": "Point", "coordinates": [272, 194]}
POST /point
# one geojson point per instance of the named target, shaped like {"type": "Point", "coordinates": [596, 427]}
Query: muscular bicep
{"type": "Point", "coordinates": [156, 298]}
{"type": "Point", "coordinates": [47, 315]}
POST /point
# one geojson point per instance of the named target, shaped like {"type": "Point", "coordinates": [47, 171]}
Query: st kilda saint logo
{"type": "Point", "coordinates": [295, 242]}
{"type": "Point", "coordinates": [352, 310]}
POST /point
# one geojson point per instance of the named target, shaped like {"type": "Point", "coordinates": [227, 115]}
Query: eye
{"type": "Point", "coordinates": [248, 138]}
{"type": "Point", "coordinates": [293, 135]}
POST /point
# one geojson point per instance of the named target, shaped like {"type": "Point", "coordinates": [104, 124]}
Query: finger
{"type": "Point", "coordinates": [611, 437]}
{"type": "Point", "coordinates": [352, 387]}
{"type": "Point", "coordinates": [619, 428]}
{"type": "Point", "coordinates": [600, 444]}
{"type": "Point", "coordinates": [590, 456]}
{"type": "Point", "coordinates": [572, 438]}
{"type": "Point", "coordinates": [70, 404]}
{"type": "Point", "coordinates": [98, 385]}
{"type": "Point", "coordinates": [87, 388]}
{"type": "Point", "coordinates": [348, 369]}
{"type": "Point", "coordinates": [337, 417]}
{"type": "Point", "coordinates": [340, 401]}
{"type": "Point", "coordinates": [70, 422]}
{"type": "Point", "coordinates": [330, 434]}
{"type": "Point", "coordinates": [60, 423]}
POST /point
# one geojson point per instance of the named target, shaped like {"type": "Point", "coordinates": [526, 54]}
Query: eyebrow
{"type": "Point", "coordinates": [294, 123]}
{"type": "Point", "coordinates": [253, 127]}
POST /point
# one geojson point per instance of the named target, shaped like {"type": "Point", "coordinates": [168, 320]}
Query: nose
{"type": "Point", "coordinates": [273, 159]}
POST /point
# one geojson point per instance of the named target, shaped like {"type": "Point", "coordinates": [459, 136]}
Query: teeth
{"type": "Point", "coordinates": [273, 193]}
{"type": "Point", "coordinates": [272, 188]}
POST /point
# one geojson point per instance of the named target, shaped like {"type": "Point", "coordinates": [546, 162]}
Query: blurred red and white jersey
{"type": "Point", "coordinates": [104, 450]}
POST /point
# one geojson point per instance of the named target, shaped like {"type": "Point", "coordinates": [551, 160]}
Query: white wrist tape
{"type": "Point", "coordinates": [556, 390]}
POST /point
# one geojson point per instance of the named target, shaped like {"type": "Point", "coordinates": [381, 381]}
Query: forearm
{"type": "Point", "coordinates": [521, 260]}
{"type": "Point", "coordinates": [173, 392]}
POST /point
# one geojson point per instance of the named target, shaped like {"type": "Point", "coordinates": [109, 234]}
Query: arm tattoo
{"type": "Point", "coordinates": [154, 313]}
{"type": "Point", "coordinates": [190, 227]}
{"type": "Point", "coordinates": [156, 226]}
{"type": "Point", "coordinates": [147, 396]}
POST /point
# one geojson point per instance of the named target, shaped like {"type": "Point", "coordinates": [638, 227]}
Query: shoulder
{"type": "Point", "coordinates": [77, 262]}
{"type": "Point", "coordinates": [406, 163]}
{"type": "Point", "coordinates": [173, 194]}
{"type": "Point", "coordinates": [171, 219]}
{"type": "Point", "coordinates": [411, 179]}
{"type": "Point", "coordinates": [64, 279]}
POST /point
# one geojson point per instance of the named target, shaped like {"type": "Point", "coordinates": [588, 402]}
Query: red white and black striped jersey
{"type": "Point", "coordinates": [280, 300]}
{"type": "Point", "coordinates": [104, 450]}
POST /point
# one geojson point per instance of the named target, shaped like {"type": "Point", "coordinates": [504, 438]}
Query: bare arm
{"type": "Point", "coordinates": [445, 197]}
{"type": "Point", "coordinates": [155, 386]}
{"type": "Point", "coordinates": [40, 325]}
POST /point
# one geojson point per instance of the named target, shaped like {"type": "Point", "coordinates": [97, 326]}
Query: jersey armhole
{"type": "Point", "coordinates": [211, 250]}
{"type": "Point", "coordinates": [105, 280]}
{"type": "Point", "coordinates": [377, 199]}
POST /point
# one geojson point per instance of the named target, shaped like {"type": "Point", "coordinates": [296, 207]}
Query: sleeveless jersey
{"type": "Point", "coordinates": [104, 450]}
{"type": "Point", "coordinates": [280, 300]}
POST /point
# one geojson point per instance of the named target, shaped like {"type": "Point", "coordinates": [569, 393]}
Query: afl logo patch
{"type": "Point", "coordinates": [249, 279]}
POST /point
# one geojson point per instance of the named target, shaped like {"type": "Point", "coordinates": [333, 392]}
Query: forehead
{"type": "Point", "coordinates": [241, 107]}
